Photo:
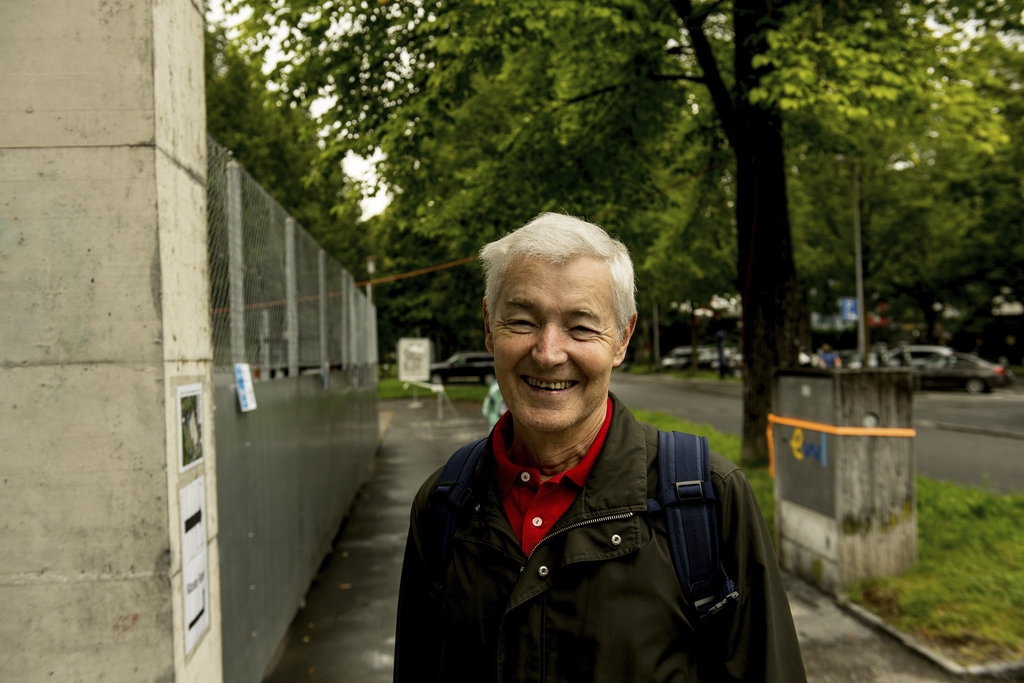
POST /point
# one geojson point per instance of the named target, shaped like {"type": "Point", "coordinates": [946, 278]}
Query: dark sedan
{"type": "Point", "coordinates": [464, 366]}
{"type": "Point", "coordinates": [961, 371]}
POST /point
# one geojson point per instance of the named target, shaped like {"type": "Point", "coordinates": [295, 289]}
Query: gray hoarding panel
{"type": "Point", "coordinates": [287, 473]}
{"type": "Point", "coordinates": [806, 467]}
{"type": "Point", "coordinates": [802, 456]}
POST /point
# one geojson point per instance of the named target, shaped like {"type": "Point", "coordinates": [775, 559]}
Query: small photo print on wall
{"type": "Point", "coordinates": [190, 425]}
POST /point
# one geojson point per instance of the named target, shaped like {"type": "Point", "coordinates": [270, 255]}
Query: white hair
{"type": "Point", "coordinates": [557, 238]}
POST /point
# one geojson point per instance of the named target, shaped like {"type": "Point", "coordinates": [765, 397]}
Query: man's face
{"type": "Point", "coordinates": [555, 342]}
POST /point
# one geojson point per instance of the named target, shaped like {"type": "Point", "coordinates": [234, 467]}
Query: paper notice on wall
{"type": "Point", "coordinates": [243, 386]}
{"type": "Point", "coordinates": [190, 426]}
{"type": "Point", "coordinates": [194, 569]}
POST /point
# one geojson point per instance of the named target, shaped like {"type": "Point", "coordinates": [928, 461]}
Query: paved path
{"type": "Point", "coordinates": [346, 631]}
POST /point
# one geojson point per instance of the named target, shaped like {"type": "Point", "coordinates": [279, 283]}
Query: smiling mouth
{"type": "Point", "coordinates": [549, 386]}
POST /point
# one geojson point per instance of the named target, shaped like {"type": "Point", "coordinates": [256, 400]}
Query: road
{"type": "Point", "coordinates": [993, 458]}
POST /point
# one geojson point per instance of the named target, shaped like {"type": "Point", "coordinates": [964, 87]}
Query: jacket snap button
{"type": "Point", "coordinates": [543, 571]}
{"type": "Point", "coordinates": [616, 539]}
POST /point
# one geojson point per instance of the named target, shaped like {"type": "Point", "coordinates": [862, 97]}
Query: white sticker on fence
{"type": "Point", "coordinates": [190, 426]}
{"type": "Point", "coordinates": [414, 360]}
{"type": "Point", "coordinates": [243, 384]}
{"type": "Point", "coordinates": [194, 569]}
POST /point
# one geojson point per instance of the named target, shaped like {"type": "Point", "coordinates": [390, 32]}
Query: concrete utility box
{"type": "Point", "coordinates": [843, 457]}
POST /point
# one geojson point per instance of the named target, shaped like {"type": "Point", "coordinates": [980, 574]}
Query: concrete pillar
{"type": "Point", "coordinates": [106, 314]}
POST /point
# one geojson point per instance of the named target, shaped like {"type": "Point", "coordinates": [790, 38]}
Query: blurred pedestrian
{"type": "Point", "coordinates": [494, 406]}
{"type": "Point", "coordinates": [829, 358]}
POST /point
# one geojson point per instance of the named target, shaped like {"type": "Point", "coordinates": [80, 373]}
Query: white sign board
{"type": "Point", "coordinates": [414, 360]}
{"type": "Point", "coordinates": [190, 426]}
{"type": "Point", "coordinates": [194, 569]}
{"type": "Point", "coordinates": [243, 386]}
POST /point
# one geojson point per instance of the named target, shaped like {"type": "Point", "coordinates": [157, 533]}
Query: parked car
{"type": "Point", "coordinates": [961, 370]}
{"type": "Point", "coordinates": [464, 366]}
{"type": "Point", "coordinates": [851, 360]}
{"type": "Point", "coordinates": [707, 358]}
{"type": "Point", "coordinates": [910, 355]}
{"type": "Point", "coordinates": [679, 358]}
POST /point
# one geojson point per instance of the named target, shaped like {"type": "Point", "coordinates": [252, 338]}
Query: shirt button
{"type": "Point", "coordinates": [542, 572]}
{"type": "Point", "coordinates": [616, 539]}
{"type": "Point", "coordinates": [537, 521]}
{"type": "Point", "coordinates": [525, 476]}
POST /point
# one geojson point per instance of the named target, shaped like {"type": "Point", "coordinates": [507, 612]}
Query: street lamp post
{"type": "Point", "coordinates": [862, 314]}
{"type": "Point", "coordinates": [371, 267]}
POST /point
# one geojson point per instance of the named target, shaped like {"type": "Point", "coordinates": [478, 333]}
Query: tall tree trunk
{"type": "Point", "coordinates": [771, 303]}
{"type": "Point", "coordinates": [772, 308]}
{"type": "Point", "coordinates": [771, 300]}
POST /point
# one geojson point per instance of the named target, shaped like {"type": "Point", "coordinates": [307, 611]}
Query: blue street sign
{"type": "Point", "coordinates": [848, 308]}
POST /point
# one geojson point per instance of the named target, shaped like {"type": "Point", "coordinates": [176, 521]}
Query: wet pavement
{"type": "Point", "coordinates": [345, 633]}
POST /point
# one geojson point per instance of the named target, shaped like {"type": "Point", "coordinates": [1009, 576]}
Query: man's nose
{"type": "Point", "coordinates": [549, 350]}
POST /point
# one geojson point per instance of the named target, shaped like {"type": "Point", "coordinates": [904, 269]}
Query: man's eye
{"type": "Point", "coordinates": [579, 329]}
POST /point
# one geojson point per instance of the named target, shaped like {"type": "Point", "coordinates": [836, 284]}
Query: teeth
{"type": "Point", "coordinates": [540, 384]}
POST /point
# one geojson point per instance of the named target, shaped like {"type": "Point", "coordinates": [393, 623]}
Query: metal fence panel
{"type": "Point", "coordinates": [288, 472]}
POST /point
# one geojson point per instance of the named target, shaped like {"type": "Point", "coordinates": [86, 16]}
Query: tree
{"type": "Point", "coordinates": [934, 148]}
{"type": "Point", "coordinates": [489, 112]}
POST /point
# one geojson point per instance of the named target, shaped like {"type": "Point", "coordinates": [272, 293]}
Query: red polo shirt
{"type": "Point", "coordinates": [533, 507]}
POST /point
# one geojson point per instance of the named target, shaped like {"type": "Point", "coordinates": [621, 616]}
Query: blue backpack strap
{"type": "Point", "coordinates": [687, 497]}
{"type": "Point", "coordinates": [450, 495]}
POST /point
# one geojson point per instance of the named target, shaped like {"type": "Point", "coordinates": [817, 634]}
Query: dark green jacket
{"type": "Point", "coordinates": [582, 608]}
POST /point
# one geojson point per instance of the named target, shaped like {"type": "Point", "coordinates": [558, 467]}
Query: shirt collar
{"type": "Point", "coordinates": [508, 471]}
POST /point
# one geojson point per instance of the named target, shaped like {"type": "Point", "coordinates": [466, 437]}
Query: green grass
{"type": "Point", "coordinates": [393, 388]}
{"type": "Point", "coordinates": [966, 594]}
{"type": "Point", "coordinates": [682, 374]}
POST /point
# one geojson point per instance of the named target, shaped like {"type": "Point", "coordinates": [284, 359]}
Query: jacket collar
{"type": "Point", "coordinates": [617, 484]}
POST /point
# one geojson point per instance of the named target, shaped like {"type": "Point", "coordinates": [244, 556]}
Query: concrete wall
{"type": "Point", "coordinates": [105, 309]}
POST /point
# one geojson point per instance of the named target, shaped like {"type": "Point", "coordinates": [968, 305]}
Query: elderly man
{"type": "Point", "coordinates": [556, 571]}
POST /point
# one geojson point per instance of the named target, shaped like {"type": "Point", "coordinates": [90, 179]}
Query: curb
{"type": "Point", "coordinates": [969, 429]}
{"type": "Point", "coordinates": [996, 670]}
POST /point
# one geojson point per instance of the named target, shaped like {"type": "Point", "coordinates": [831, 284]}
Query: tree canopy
{"type": "Point", "coordinates": [696, 131]}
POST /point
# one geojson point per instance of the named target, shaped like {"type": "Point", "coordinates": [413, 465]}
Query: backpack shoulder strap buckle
{"type": "Point", "coordinates": [693, 491]}
{"type": "Point", "coordinates": [686, 495]}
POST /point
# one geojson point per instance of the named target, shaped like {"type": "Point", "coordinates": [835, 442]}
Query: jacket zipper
{"type": "Point", "coordinates": [576, 525]}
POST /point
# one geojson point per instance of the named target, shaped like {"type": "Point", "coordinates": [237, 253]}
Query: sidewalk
{"type": "Point", "coordinates": [346, 631]}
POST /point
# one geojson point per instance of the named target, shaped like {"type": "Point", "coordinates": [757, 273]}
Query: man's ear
{"type": "Point", "coordinates": [488, 340]}
{"type": "Point", "coordinates": [627, 334]}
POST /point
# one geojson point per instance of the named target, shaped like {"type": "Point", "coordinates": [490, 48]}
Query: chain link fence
{"type": "Point", "coordinates": [279, 302]}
